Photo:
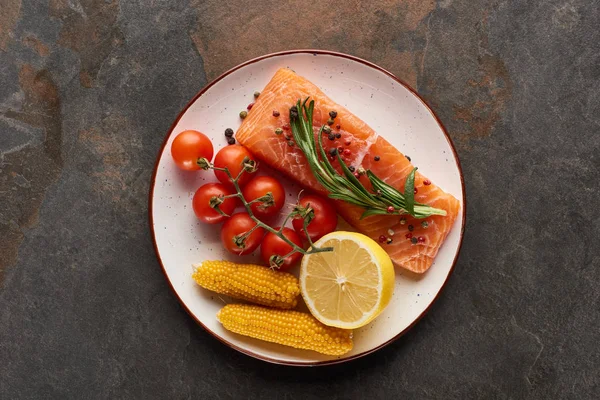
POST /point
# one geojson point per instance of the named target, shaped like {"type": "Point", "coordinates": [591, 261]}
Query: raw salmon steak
{"type": "Point", "coordinates": [271, 111]}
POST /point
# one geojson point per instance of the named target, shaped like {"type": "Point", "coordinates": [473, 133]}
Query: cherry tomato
{"type": "Point", "coordinates": [188, 147]}
{"type": "Point", "coordinates": [274, 245]}
{"type": "Point", "coordinates": [237, 225]}
{"type": "Point", "coordinates": [259, 187]}
{"type": "Point", "coordinates": [324, 220]}
{"type": "Point", "coordinates": [232, 157]}
{"type": "Point", "coordinates": [201, 203]}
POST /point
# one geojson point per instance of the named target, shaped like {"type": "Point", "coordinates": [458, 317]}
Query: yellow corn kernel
{"type": "Point", "coordinates": [287, 327]}
{"type": "Point", "coordinates": [254, 283]}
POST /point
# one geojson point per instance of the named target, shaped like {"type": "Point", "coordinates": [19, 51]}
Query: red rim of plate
{"type": "Point", "coordinates": [315, 52]}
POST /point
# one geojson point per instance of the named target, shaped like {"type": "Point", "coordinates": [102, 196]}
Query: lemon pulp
{"type": "Point", "coordinates": [349, 286]}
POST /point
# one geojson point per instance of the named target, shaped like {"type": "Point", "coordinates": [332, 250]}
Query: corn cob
{"type": "Point", "coordinates": [253, 283]}
{"type": "Point", "coordinates": [290, 328]}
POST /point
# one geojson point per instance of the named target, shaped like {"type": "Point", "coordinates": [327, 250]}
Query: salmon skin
{"type": "Point", "coordinates": [271, 111]}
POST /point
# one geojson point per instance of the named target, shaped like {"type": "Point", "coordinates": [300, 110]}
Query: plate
{"type": "Point", "coordinates": [387, 104]}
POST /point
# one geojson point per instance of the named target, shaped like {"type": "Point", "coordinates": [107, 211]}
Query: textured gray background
{"type": "Point", "coordinates": [88, 89]}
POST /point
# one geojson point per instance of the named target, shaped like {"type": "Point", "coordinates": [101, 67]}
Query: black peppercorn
{"type": "Point", "coordinates": [333, 114]}
{"type": "Point", "coordinates": [230, 140]}
{"type": "Point", "coordinates": [331, 136]}
{"type": "Point", "coordinates": [376, 158]}
{"type": "Point", "coordinates": [351, 168]}
{"type": "Point", "coordinates": [338, 135]}
{"type": "Point", "coordinates": [411, 228]}
{"type": "Point", "coordinates": [332, 151]}
{"type": "Point", "coordinates": [229, 132]}
{"type": "Point", "coordinates": [414, 240]}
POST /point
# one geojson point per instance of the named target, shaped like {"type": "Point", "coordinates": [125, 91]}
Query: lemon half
{"type": "Point", "coordinates": [349, 286]}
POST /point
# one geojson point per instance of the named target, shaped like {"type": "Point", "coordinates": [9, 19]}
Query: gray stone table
{"type": "Point", "coordinates": [88, 89]}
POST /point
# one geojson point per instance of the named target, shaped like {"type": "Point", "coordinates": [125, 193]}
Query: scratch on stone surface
{"type": "Point", "coordinates": [566, 16]}
{"type": "Point", "coordinates": [537, 338]}
{"type": "Point", "coordinates": [9, 15]}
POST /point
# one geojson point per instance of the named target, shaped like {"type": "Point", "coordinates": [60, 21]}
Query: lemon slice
{"type": "Point", "coordinates": [349, 286]}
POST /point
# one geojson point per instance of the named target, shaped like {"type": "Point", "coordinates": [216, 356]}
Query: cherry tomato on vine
{"type": "Point", "coordinates": [188, 146]}
{"type": "Point", "coordinates": [274, 245]}
{"type": "Point", "coordinates": [232, 157]}
{"type": "Point", "coordinates": [324, 220]}
{"type": "Point", "coordinates": [259, 187]}
{"type": "Point", "coordinates": [236, 226]}
{"type": "Point", "coordinates": [202, 203]}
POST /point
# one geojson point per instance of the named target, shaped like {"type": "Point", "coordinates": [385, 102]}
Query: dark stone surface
{"type": "Point", "coordinates": [88, 89]}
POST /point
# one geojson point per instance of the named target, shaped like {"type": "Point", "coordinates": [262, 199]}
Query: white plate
{"type": "Point", "coordinates": [373, 94]}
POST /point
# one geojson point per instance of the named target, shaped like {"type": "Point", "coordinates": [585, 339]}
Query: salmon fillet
{"type": "Point", "coordinates": [257, 133]}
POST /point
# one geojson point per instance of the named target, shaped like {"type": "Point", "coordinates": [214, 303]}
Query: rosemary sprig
{"type": "Point", "coordinates": [386, 199]}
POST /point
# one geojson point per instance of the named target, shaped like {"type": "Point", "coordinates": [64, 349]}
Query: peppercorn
{"type": "Point", "coordinates": [411, 228]}
{"type": "Point", "coordinates": [230, 140]}
{"type": "Point", "coordinates": [250, 106]}
{"type": "Point", "coordinates": [382, 238]}
{"type": "Point", "coordinates": [332, 151]}
{"type": "Point", "coordinates": [414, 240]}
{"type": "Point", "coordinates": [347, 142]}
{"type": "Point", "coordinates": [276, 113]}
{"type": "Point", "coordinates": [351, 168]}
{"type": "Point", "coordinates": [356, 175]}
{"type": "Point", "coordinates": [416, 190]}
{"type": "Point", "coordinates": [329, 122]}
{"type": "Point", "coordinates": [361, 171]}
{"type": "Point", "coordinates": [256, 94]}
{"type": "Point", "coordinates": [337, 127]}
{"type": "Point", "coordinates": [229, 132]}
{"type": "Point", "coordinates": [425, 224]}
{"type": "Point", "coordinates": [390, 209]}
{"type": "Point", "coordinates": [278, 131]}
{"type": "Point", "coordinates": [338, 135]}
{"type": "Point", "coordinates": [389, 240]}
{"type": "Point", "coordinates": [293, 112]}
{"type": "Point", "coordinates": [347, 152]}
{"type": "Point", "coordinates": [421, 239]}
{"type": "Point", "coordinates": [391, 232]}
{"type": "Point", "coordinates": [340, 150]}
{"type": "Point", "coordinates": [408, 235]}
{"type": "Point", "coordinates": [333, 114]}
{"type": "Point", "coordinates": [408, 158]}
{"type": "Point", "coordinates": [288, 137]}
{"type": "Point", "coordinates": [402, 221]}
{"type": "Point", "coordinates": [426, 182]}
{"type": "Point", "coordinates": [376, 158]}
{"type": "Point", "coordinates": [326, 129]}
{"type": "Point", "coordinates": [243, 114]}
{"type": "Point", "coordinates": [286, 127]}
{"type": "Point", "coordinates": [331, 136]}
{"type": "Point", "coordinates": [290, 143]}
